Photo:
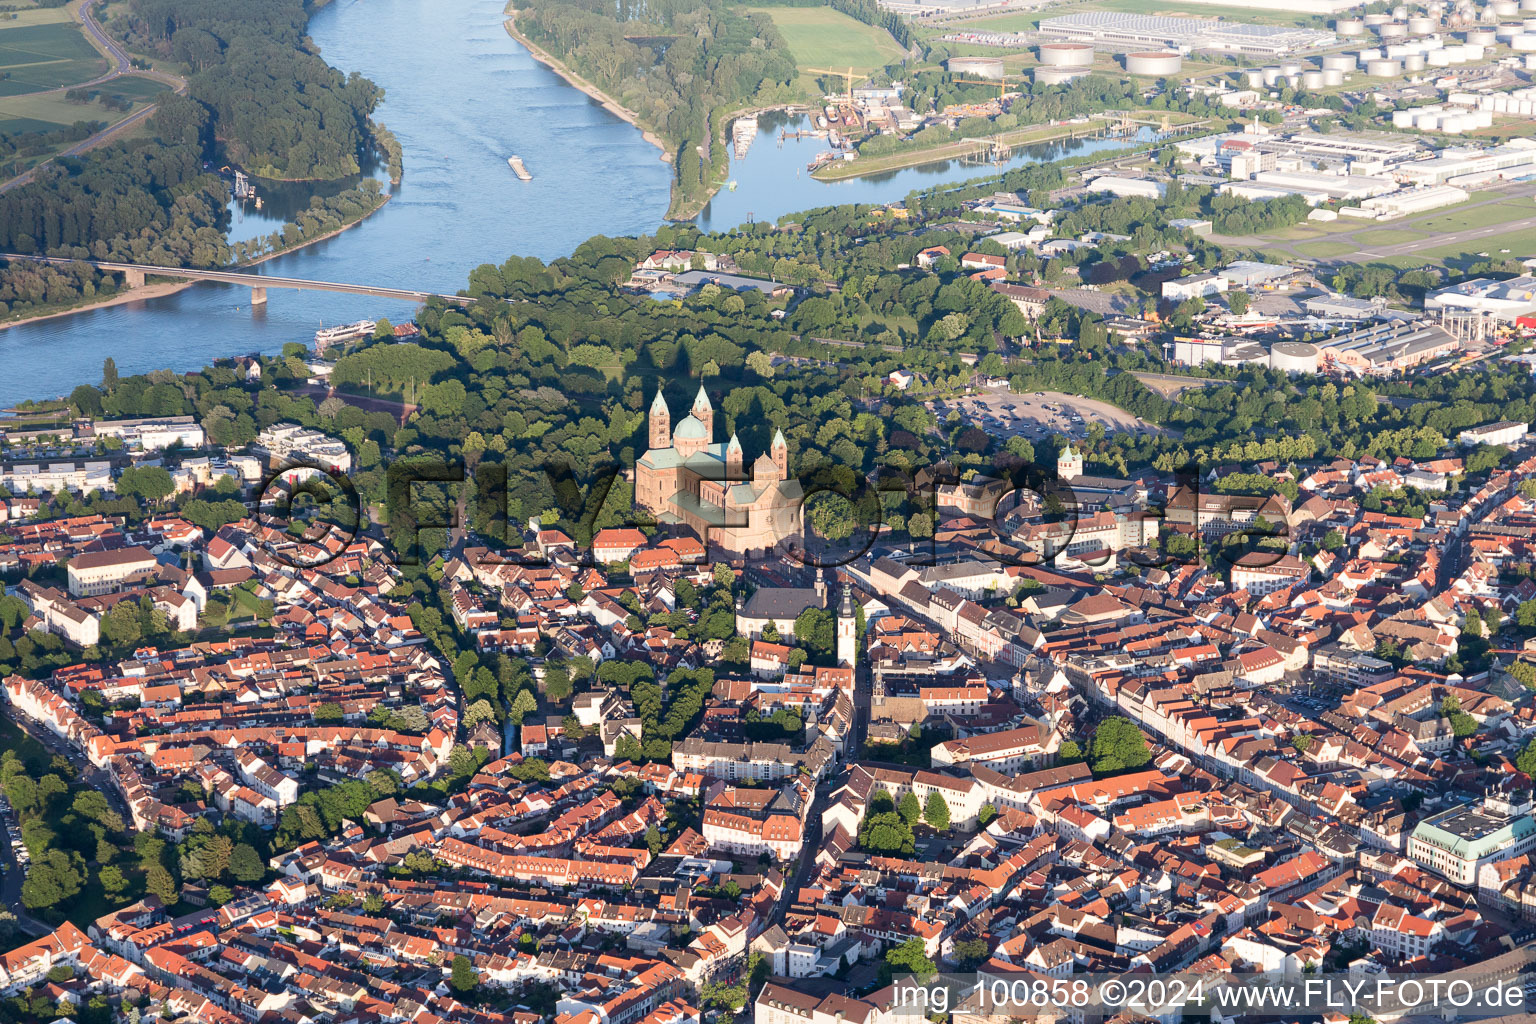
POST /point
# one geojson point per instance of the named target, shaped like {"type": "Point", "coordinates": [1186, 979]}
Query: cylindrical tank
{"type": "Point", "coordinates": [1349, 27]}
{"type": "Point", "coordinates": [1366, 55]}
{"type": "Point", "coordinates": [1255, 79]}
{"type": "Point", "coordinates": [1271, 75]}
{"type": "Point", "coordinates": [1293, 357]}
{"type": "Point", "coordinates": [1414, 62]}
{"type": "Point", "coordinates": [1382, 68]}
{"type": "Point", "coordinates": [1154, 62]}
{"type": "Point", "coordinates": [1377, 19]}
{"type": "Point", "coordinates": [1530, 62]}
{"type": "Point", "coordinates": [1397, 51]}
{"type": "Point", "coordinates": [1332, 77]}
{"type": "Point", "coordinates": [1482, 118]}
{"type": "Point", "coordinates": [1402, 118]}
{"type": "Point", "coordinates": [1420, 25]}
{"type": "Point", "coordinates": [976, 67]}
{"type": "Point", "coordinates": [1066, 55]}
{"type": "Point", "coordinates": [1291, 67]}
{"type": "Point", "coordinates": [1504, 33]}
{"type": "Point", "coordinates": [1312, 80]}
{"type": "Point", "coordinates": [1481, 37]}
{"type": "Point", "coordinates": [1339, 62]}
{"type": "Point", "coordinates": [1528, 5]}
{"type": "Point", "coordinates": [1393, 30]}
{"type": "Point", "coordinates": [1505, 8]}
{"type": "Point", "coordinates": [1426, 120]}
{"type": "Point", "coordinates": [1530, 24]}
{"type": "Point", "coordinates": [1474, 51]}
{"type": "Point", "coordinates": [1057, 75]}
{"type": "Point", "coordinates": [1525, 42]}
{"type": "Point", "coordinates": [1438, 58]}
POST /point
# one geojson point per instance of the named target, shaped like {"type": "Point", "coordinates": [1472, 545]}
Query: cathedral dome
{"type": "Point", "coordinates": [690, 430]}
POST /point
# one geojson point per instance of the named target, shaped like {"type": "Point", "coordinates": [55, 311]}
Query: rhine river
{"type": "Point", "coordinates": [461, 96]}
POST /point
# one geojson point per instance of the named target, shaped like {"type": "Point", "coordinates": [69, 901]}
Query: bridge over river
{"type": "Point", "coordinates": [135, 273]}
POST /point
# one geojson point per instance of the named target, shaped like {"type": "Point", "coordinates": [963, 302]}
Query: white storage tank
{"type": "Point", "coordinates": [1402, 118]}
{"type": "Point", "coordinates": [1414, 63]}
{"type": "Point", "coordinates": [1254, 79]}
{"type": "Point", "coordinates": [1046, 75]}
{"type": "Point", "coordinates": [976, 67]}
{"type": "Point", "coordinates": [1505, 8]}
{"type": "Point", "coordinates": [1382, 68]}
{"type": "Point", "coordinates": [1271, 75]}
{"type": "Point", "coordinates": [1154, 62]}
{"type": "Point", "coordinates": [1377, 19]}
{"type": "Point", "coordinates": [1339, 62]}
{"type": "Point", "coordinates": [1481, 37]}
{"type": "Point", "coordinates": [1066, 55]}
{"type": "Point", "coordinates": [1400, 12]}
{"type": "Point", "coordinates": [1530, 24]}
{"type": "Point", "coordinates": [1530, 62]}
{"type": "Point", "coordinates": [1525, 42]}
{"type": "Point", "coordinates": [1528, 5]}
{"type": "Point", "coordinates": [1474, 51]}
{"type": "Point", "coordinates": [1426, 120]}
{"type": "Point", "coordinates": [1291, 67]}
{"type": "Point", "coordinates": [1349, 27]}
{"type": "Point", "coordinates": [1456, 54]}
{"type": "Point", "coordinates": [1293, 357]}
{"type": "Point", "coordinates": [1482, 118]}
{"type": "Point", "coordinates": [1397, 51]}
{"type": "Point", "coordinates": [1421, 26]}
{"type": "Point", "coordinates": [1393, 30]}
{"type": "Point", "coordinates": [1332, 76]}
{"type": "Point", "coordinates": [1438, 58]}
{"type": "Point", "coordinates": [1312, 80]}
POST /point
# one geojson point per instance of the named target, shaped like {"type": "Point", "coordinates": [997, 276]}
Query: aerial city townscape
{"type": "Point", "coordinates": [767, 511]}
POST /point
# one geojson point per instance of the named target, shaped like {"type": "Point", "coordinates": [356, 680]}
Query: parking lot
{"type": "Point", "coordinates": [1038, 415]}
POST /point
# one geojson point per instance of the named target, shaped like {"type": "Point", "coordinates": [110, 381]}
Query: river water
{"type": "Point", "coordinates": [461, 96]}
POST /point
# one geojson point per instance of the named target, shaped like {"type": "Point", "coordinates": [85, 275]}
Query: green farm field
{"type": "Point", "coordinates": [46, 55]}
{"type": "Point", "coordinates": [820, 37]}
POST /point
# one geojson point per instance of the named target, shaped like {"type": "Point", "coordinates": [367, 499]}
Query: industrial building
{"type": "Point", "coordinates": [1503, 432]}
{"type": "Point", "coordinates": [1503, 300]}
{"type": "Point", "coordinates": [1197, 286]}
{"type": "Point", "coordinates": [1114, 30]}
{"type": "Point", "coordinates": [1285, 356]}
{"type": "Point", "coordinates": [1415, 200]}
{"type": "Point", "coordinates": [1252, 274]}
{"type": "Point", "coordinates": [1387, 348]}
{"type": "Point", "coordinates": [1515, 159]}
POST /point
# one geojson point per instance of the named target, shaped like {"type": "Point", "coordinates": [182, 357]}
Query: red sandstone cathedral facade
{"type": "Point", "coordinates": [688, 478]}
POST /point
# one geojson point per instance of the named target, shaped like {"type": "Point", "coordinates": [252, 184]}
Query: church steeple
{"type": "Point", "coordinates": [704, 412]}
{"type": "Point", "coordinates": [780, 452]}
{"type": "Point", "coordinates": [847, 638]}
{"type": "Point", "coordinates": [661, 422]}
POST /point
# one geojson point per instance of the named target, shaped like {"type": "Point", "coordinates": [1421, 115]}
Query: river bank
{"type": "Point", "coordinates": [947, 151]}
{"type": "Point", "coordinates": [580, 84]}
{"type": "Point", "coordinates": [154, 291]}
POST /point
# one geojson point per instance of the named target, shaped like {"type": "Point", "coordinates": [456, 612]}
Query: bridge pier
{"type": "Point", "coordinates": [133, 278]}
{"type": "Point", "coordinates": [258, 295]}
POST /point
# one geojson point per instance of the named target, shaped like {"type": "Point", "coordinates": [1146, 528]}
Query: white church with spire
{"type": "Point", "coordinates": [687, 478]}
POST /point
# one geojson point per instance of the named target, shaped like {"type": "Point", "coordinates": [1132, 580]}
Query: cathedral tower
{"type": "Point", "coordinates": [780, 452]}
{"type": "Point", "coordinates": [661, 423]}
{"type": "Point", "coordinates": [704, 412]}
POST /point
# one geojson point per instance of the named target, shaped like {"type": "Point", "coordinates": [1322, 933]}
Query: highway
{"type": "Point", "coordinates": [245, 278]}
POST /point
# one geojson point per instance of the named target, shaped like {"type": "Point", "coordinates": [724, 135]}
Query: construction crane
{"type": "Point", "coordinates": [848, 77]}
{"type": "Point", "coordinates": [1001, 83]}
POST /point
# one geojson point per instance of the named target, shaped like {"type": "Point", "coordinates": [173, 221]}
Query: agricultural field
{"type": "Point", "coordinates": [37, 55]}
{"type": "Point", "coordinates": [48, 111]}
{"type": "Point", "coordinates": [820, 37]}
